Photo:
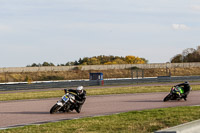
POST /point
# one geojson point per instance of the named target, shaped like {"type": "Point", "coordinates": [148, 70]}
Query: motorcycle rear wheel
{"type": "Point", "coordinates": [55, 109]}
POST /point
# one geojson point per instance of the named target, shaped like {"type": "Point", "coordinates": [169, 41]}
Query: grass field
{"type": "Point", "coordinates": [100, 91]}
{"type": "Point", "coordinates": [134, 122]}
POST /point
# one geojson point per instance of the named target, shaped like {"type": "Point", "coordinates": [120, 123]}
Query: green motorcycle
{"type": "Point", "coordinates": [176, 93]}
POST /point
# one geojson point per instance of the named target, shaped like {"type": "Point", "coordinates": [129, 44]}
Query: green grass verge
{"type": "Point", "coordinates": [134, 122]}
{"type": "Point", "coordinates": [101, 91]}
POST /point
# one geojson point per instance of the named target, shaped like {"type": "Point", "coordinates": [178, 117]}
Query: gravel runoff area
{"type": "Point", "coordinates": [25, 112]}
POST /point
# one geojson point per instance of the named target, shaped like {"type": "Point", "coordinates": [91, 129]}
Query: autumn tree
{"type": "Point", "coordinates": [93, 61]}
{"type": "Point", "coordinates": [177, 59]}
{"type": "Point", "coordinates": [134, 60]}
{"type": "Point", "coordinates": [102, 59]}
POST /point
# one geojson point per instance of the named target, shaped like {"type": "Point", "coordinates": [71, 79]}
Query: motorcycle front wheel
{"type": "Point", "coordinates": [167, 98]}
{"type": "Point", "coordinates": [55, 109]}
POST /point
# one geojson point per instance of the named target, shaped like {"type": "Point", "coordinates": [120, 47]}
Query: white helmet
{"type": "Point", "coordinates": [80, 89]}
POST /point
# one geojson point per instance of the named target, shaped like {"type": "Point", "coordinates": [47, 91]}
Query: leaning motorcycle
{"type": "Point", "coordinates": [65, 104]}
{"type": "Point", "coordinates": [176, 93]}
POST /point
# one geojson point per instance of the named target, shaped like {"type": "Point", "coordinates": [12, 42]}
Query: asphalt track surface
{"type": "Point", "coordinates": [26, 112]}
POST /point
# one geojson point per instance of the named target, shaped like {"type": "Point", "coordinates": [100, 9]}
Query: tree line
{"type": "Point", "coordinates": [98, 60]}
{"type": "Point", "coordinates": [187, 55]}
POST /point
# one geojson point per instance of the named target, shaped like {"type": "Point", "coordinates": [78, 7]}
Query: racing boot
{"type": "Point", "coordinates": [78, 108]}
{"type": "Point", "coordinates": [185, 97]}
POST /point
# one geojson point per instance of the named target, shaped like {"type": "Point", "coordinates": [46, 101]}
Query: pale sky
{"type": "Point", "coordinates": [58, 31]}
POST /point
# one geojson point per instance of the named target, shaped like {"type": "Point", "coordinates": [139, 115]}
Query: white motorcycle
{"type": "Point", "coordinates": [65, 104]}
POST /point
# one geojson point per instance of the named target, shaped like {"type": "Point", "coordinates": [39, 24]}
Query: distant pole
{"type": "Point", "coordinates": [6, 77]}
{"type": "Point", "coordinates": [131, 73]}
{"type": "Point", "coordinates": [142, 73]}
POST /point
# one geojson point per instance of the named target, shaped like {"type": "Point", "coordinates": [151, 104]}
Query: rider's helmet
{"type": "Point", "coordinates": [79, 89]}
{"type": "Point", "coordinates": [186, 82]}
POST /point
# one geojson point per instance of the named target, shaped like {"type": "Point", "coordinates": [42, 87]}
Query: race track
{"type": "Point", "coordinates": [25, 112]}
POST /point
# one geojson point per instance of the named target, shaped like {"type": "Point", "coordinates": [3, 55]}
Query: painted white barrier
{"type": "Point", "coordinates": [190, 127]}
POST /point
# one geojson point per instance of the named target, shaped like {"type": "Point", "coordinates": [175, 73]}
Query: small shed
{"type": "Point", "coordinates": [96, 76]}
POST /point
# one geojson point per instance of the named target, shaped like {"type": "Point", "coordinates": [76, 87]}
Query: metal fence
{"type": "Point", "coordinates": [66, 84]}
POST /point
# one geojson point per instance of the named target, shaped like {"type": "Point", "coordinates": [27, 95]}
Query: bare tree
{"type": "Point", "coordinates": [188, 51]}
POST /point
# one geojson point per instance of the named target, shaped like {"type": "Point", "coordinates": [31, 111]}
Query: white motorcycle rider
{"type": "Point", "coordinates": [73, 99]}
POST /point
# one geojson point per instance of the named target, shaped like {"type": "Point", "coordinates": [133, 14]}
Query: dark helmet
{"type": "Point", "coordinates": [186, 82]}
